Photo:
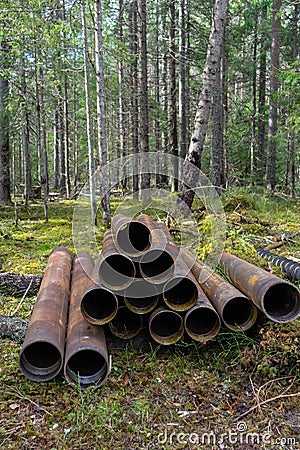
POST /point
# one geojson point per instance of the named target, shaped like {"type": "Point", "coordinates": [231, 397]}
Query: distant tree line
{"type": "Point", "coordinates": [83, 82]}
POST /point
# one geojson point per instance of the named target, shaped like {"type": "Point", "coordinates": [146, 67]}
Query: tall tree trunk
{"type": "Point", "coordinates": [133, 37]}
{"type": "Point", "coordinates": [193, 157]}
{"type": "Point", "coordinates": [157, 123]}
{"type": "Point", "coordinates": [217, 175]}
{"type": "Point", "coordinates": [89, 118]}
{"type": "Point", "coordinates": [101, 119]}
{"type": "Point", "coordinates": [254, 95]}
{"type": "Point", "coordinates": [75, 135]}
{"type": "Point", "coordinates": [182, 80]}
{"type": "Point", "coordinates": [122, 115]}
{"type": "Point", "coordinates": [162, 169]}
{"type": "Point", "coordinates": [25, 138]}
{"type": "Point", "coordinates": [292, 155]}
{"type": "Point", "coordinates": [66, 135]}
{"type": "Point", "coordinates": [224, 88]}
{"type": "Point", "coordinates": [261, 122]}
{"type": "Point", "coordinates": [61, 141]}
{"type": "Point", "coordinates": [5, 198]}
{"type": "Point", "coordinates": [273, 104]}
{"type": "Point", "coordinates": [66, 110]}
{"type": "Point", "coordinates": [56, 151]}
{"type": "Point", "coordinates": [44, 173]}
{"type": "Point", "coordinates": [172, 111]}
{"type": "Point", "coordinates": [144, 125]}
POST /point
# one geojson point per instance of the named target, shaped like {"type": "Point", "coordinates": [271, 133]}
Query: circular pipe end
{"type": "Point", "coordinates": [157, 266]}
{"type": "Point", "coordinates": [125, 324]}
{"type": "Point", "coordinates": [180, 293]}
{"type": "Point", "coordinates": [40, 361]}
{"type": "Point", "coordinates": [99, 306]}
{"type": "Point", "coordinates": [166, 327]}
{"type": "Point", "coordinates": [239, 313]}
{"type": "Point", "coordinates": [202, 323]}
{"type": "Point", "coordinates": [116, 272]}
{"type": "Point", "coordinates": [86, 367]}
{"type": "Point", "coordinates": [133, 238]}
{"type": "Point", "coordinates": [141, 297]}
{"type": "Point", "coordinates": [281, 302]}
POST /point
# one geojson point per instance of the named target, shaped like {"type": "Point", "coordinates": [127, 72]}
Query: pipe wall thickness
{"type": "Point", "coordinates": [86, 360]}
{"type": "Point", "coordinates": [278, 299]}
{"type": "Point", "coordinates": [42, 352]}
{"type": "Point", "coordinates": [235, 309]}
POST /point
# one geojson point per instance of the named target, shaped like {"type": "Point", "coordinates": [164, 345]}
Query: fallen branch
{"type": "Point", "coordinates": [277, 397]}
{"type": "Point", "coordinates": [244, 219]}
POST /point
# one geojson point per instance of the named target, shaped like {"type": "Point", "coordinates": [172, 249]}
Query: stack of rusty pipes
{"type": "Point", "coordinates": [140, 278]}
{"type": "Point", "coordinates": [142, 274]}
{"type": "Point", "coordinates": [53, 340]}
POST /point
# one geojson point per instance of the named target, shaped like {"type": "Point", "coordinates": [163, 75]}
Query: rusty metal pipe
{"type": "Point", "coordinates": [156, 264]}
{"type": "Point", "coordinates": [126, 324]}
{"type": "Point", "coordinates": [181, 292]}
{"type": "Point", "coordinates": [141, 297]}
{"type": "Point", "coordinates": [202, 322]}
{"type": "Point", "coordinates": [278, 299]}
{"type": "Point", "coordinates": [99, 305]}
{"type": "Point", "coordinates": [132, 237]}
{"type": "Point", "coordinates": [166, 326]}
{"type": "Point", "coordinates": [235, 309]}
{"type": "Point", "coordinates": [116, 271]}
{"type": "Point", "coordinates": [86, 359]}
{"type": "Point", "coordinates": [42, 352]}
{"type": "Point", "coordinates": [288, 266]}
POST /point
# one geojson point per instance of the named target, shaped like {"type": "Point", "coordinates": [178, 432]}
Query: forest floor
{"type": "Point", "coordinates": [238, 391]}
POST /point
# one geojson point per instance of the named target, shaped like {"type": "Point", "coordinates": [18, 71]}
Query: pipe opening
{"type": "Point", "coordinates": [141, 296]}
{"type": "Point", "coordinates": [180, 291]}
{"type": "Point", "coordinates": [166, 324]}
{"type": "Point", "coordinates": [41, 359]}
{"type": "Point", "coordinates": [156, 263]}
{"type": "Point", "coordinates": [116, 270]}
{"type": "Point", "coordinates": [87, 367]}
{"type": "Point", "coordinates": [125, 324]}
{"type": "Point", "coordinates": [282, 302]}
{"type": "Point", "coordinates": [238, 312]}
{"type": "Point", "coordinates": [202, 321]}
{"type": "Point", "coordinates": [99, 305]}
{"type": "Point", "coordinates": [133, 237]}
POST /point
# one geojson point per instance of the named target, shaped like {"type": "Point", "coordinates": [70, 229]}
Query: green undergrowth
{"type": "Point", "coordinates": [154, 394]}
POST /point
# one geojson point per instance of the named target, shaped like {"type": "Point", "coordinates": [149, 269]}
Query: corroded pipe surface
{"type": "Point", "coordinates": [99, 305]}
{"type": "Point", "coordinates": [288, 266]}
{"type": "Point", "coordinates": [42, 352]}
{"type": "Point", "coordinates": [141, 297]}
{"type": "Point", "coordinates": [181, 292]}
{"type": "Point", "coordinates": [278, 299]}
{"type": "Point", "coordinates": [235, 309]}
{"type": "Point", "coordinates": [202, 322]}
{"type": "Point", "coordinates": [132, 237]}
{"type": "Point", "coordinates": [157, 264]}
{"type": "Point", "coordinates": [116, 271]}
{"type": "Point", "coordinates": [166, 326]}
{"type": "Point", "coordinates": [126, 324]}
{"type": "Point", "coordinates": [86, 359]}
